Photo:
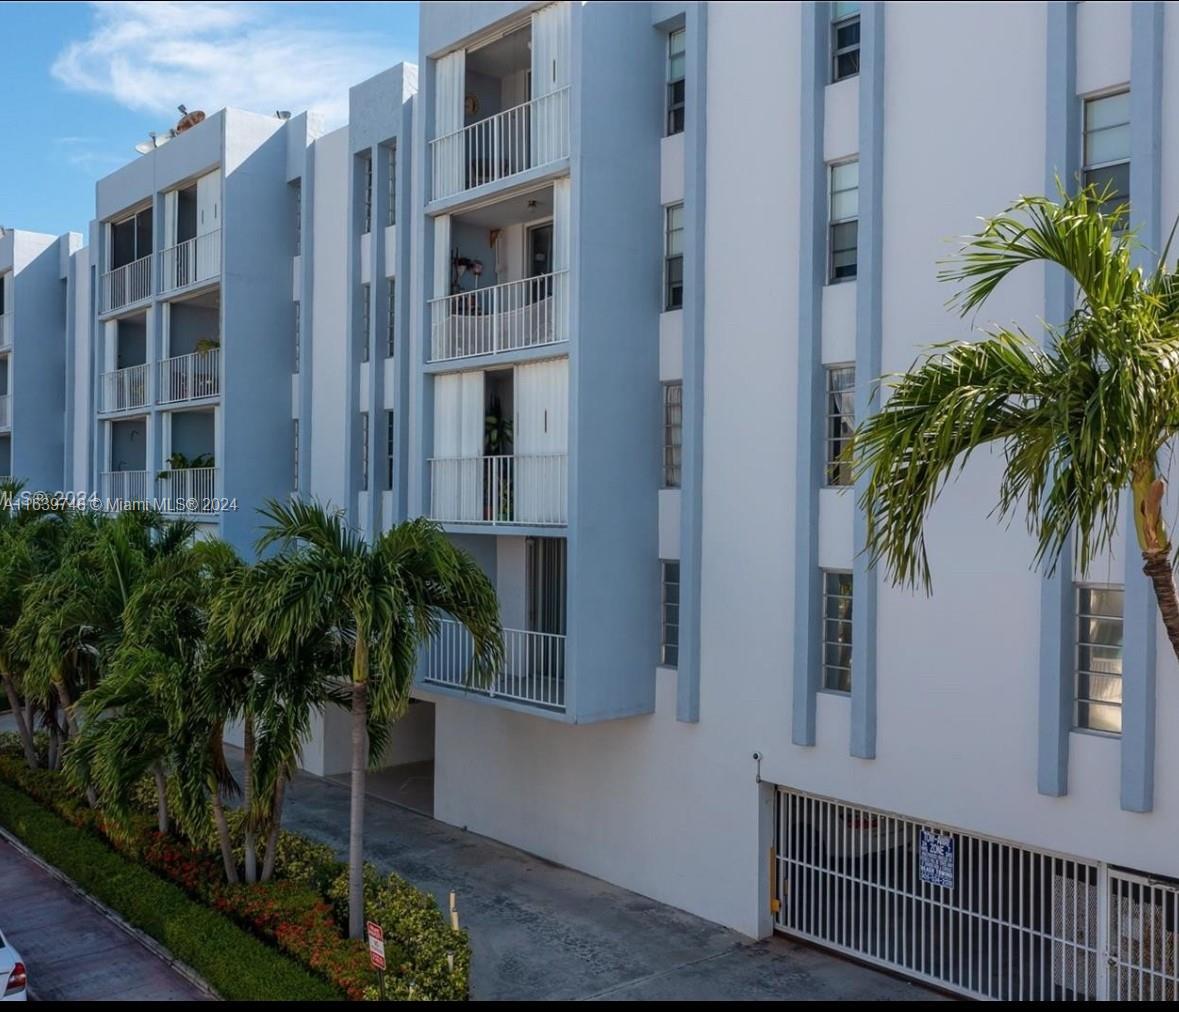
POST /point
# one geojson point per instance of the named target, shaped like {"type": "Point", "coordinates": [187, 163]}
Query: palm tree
{"type": "Point", "coordinates": [380, 603]}
{"type": "Point", "coordinates": [1079, 417]}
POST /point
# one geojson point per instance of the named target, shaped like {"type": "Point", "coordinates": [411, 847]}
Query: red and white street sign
{"type": "Point", "coordinates": [376, 945]}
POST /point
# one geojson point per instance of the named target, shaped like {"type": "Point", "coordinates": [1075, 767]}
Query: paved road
{"type": "Point", "coordinates": [72, 951]}
{"type": "Point", "coordinates": [540, 931]}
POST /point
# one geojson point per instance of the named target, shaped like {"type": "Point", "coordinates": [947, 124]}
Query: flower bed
{"type": "Point", "coordinates": [300, 913]}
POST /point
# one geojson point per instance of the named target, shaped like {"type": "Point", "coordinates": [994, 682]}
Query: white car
{"type": "Point", "coordinates": [13, 982]}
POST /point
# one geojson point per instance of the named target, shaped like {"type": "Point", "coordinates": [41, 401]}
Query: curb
{"type": "Point", "coordinates": [149, 943]}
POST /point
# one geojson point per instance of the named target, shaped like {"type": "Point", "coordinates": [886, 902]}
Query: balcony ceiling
{"type": "Point", "coordinates": [512, 211]}
{"type": "Point", "coordinates": [503, 56]}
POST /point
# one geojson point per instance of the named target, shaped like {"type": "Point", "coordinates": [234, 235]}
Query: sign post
{"type": "Point", "coordinates": [376, 953]}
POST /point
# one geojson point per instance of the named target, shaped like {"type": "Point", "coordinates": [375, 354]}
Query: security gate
{"type": "Point", "coordinates": [980, 916]}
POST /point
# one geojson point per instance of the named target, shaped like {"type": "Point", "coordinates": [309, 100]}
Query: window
{"type": "Point", "coordinates": [676, 60]}
{"type": "Point", "coordinates": [673, 258]}
{"type": "Point", "coordinates": [295, 460]}
{"type": "Point", "coordinates": [673, 433]}
{"type": "Point", "coordinates": [837, 630]}
{"type": "Point", "coordinates": [392, 318]}
{"type": "Point", "coordinates": [366, 322]}
{"type": "Point", "coordinates": [845, 40]}
{"type": "Point", "coordinates": [669, 640]}
{"type": "Point", "coordinates": [364, 451]}
{"type": "Point", "coordinates": [298, 333]}
{"type": "Point", "coordinates": [297, 187]}
{"type": "Point", "coordinates": [389, 445]}
{"type": "Point", "coordinates": [845, 225]}
{"type": "Point", "coordinates": [367, 178]}
{"type": "Point", "coordinates": [1107, 148]}
{"type": "Point", "coordinates": [841, 420]}
{"type": "Point", "coordinates": [1099, 659]}
{"type": "Point", "coordinates": [391, 165]}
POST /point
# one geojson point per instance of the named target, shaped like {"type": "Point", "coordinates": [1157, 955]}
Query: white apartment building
{"type": "Point", "coordinates": [602, 288]}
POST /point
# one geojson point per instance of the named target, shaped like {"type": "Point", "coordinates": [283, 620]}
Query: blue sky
{"type": "Point", "coordinates": [85, 82]}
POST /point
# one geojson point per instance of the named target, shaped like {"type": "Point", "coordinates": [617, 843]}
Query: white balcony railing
{"type": "Point", "coordinates": [123, 488]}
{"type": "Point", "coordinates": [5, 411]}
{"type": "Point", "coordinates": [533, 670]}
{"type": "Point", "coordinates": [126, 389]}
{"type": "Point", "coordinates": [507, 317]}
{"type": "Point", "coordinates": [190, 377]}
{"type": "Point", "coordinates": [191, 262]}
{"type": "Point", "coordinates": [126, 285]}
{"type": "Point", "coordinates": [522, 489]}
{"type": "Point", "coordinates": [189, 490]}
{"type": "Point", "coordinates": [5, 330]}
{"type": "Point", "coordinates": [525, 137]}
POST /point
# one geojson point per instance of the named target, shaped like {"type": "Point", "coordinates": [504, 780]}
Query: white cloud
{"type": "Point", "coordinates": [151, 57]}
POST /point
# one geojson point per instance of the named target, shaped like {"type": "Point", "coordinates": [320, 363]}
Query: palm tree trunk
{"type": "Point", "coordinates": [223, 835]}
{"type": "Point", "coordinates": [72, 723]}
{"type": "Point", "coordinates": [280, 790]}
{"type": "Point", "coordinates": [1158, 569]}
{"type": "Point", "coordinates": [248, 804]}
{"type": "Point", "coordinates": [54, 762]}
{"type": "Point", "coordinates": [161, 798]}
{"type": "Point", "coordinates": [356, 821]}
{"type": "Point", "coordinates": [22, 724]}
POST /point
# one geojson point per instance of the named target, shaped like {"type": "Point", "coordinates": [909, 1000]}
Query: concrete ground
{"type": "Point", "coordinates": [410, 784]}
{"type": "Point", "coordinates": [72, 951]}
{"type": "Point", "coordinates": [540, 931]}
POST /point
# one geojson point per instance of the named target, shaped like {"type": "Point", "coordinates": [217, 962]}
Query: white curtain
{"type": "Point", "coordinates": [550, 73]}
{"type": "Point", "coordinates": [541, 434]}
{"type": "Point", "coordinates": [449, 82]}
{"type": "Point", "coordinates": [562, 255]}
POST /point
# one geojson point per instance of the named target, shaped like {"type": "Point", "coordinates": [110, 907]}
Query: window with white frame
{"type": "Point", "coordinates": [844, 216]}
{"type": "Point", "coordinates": [1098, 696]}
{"type": "Point", "coordinates": [364, 451]}
{"type": "Point", "coordinates": [389, 446]}
{"type": "Point", "coordinates": [837, 630]}
{"type": "Point", "coordinates": [1107, 149]}
{"type": "Point", "coordinates": [295, 460]}
{"type": "Point", "coordinates": [298, 334]}
{"type": "Point", "coordinates": [669, 639]}
{"type": "Point", "coordinates": [673, 433]}
{"type": "Point", "coordinates": [676, 77]}
{"type": "Point", "coordinates": [391, 319]}
{"type": "Point", "coordinates": [840, 421]}
{"type": "Point", "coordinates": [673, 257]}
{"type": "Point", "coordinates": [391, 184]}
{"type": "Point", "coordinates": [366, 321]}
{"type": "Point", "coordinates": [845, 40]}
{"type": "Point", "coordinates": [366, 176]}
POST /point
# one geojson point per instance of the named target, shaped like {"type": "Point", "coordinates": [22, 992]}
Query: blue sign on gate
{"type": "Point", "coordinates": [935, 858]}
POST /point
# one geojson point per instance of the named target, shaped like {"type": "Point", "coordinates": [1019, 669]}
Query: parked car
{"type": "Point", "coordinates": [13, 980]}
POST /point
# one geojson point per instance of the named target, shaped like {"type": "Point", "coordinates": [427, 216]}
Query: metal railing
{"type": "Point", "coordinates": [126, 389]}
{"type": "Point", "coordinates": [191, 262]}
{"type": "Point", "coordinates": [5, 331]}
{"type": "Point", "coordinates": [125, 487]}
{"type": "Point", "coordinates": [520, 489]}
{"type": "Point", "coordinates": [188, 490]}
{"type": "Point", "coordinates": [533, 670]}
{"type": "Point", "coordinates": [510, 142]}
{"type": "Point", "coordinates": [5, 411]}
{"type": "Point", "coordinates": [507, 317]}
{"type": "Point", "coordinates": [190, 377]}
{"type": "Point", "coordinates": [126, 285]}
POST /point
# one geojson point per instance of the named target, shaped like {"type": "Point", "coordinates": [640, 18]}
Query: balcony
{"type": "Point", "coordinates": [527, 136]}
{"type": "Point", "coordinates": [190, 377]}
{"type": "Point", "coordinates": [191, 262]}
{"type": "Point", "coordinates": [125, 488]}
{"type": "Point", "coordinates": [529, 490]}
{"type": "Point", "coordinates": [5, 411]}
{"type": "Point", "coordinates": [507, 317]}
{"type": "Point", "coordinates": [533, 670]}
{"type": "Point", "coordinates": [189, 491]}
{"type": "Point", "coordinates": [126, 285]}
{"type": "Point", "coordinates": [125, 389]}
{"type": "Point", "coordinates": [5, 331]}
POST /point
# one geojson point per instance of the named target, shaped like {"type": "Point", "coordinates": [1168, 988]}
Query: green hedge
{"type": "Point", "coordinates": [237, 965]}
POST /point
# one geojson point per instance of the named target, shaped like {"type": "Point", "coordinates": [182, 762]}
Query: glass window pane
{"type": "Point", "coordinates": [1111, 144]}
{"type": "Point", "coordinates": [847, 34]}
{"type": "Point", "coordinates": [844, 8]}
{"type": "Point", "coordinates": [1114, 179]}
{"type": "Point", "coordinates": [1108, 111]}
{"type": "Point", "coordinates": [1100, 717]}
{"type": "Point", "coordinates": [847, 64]}
{"type": "Point", "coordinates": [845, 205]}
{"type": "Point", "coordinates": [845, 176]}
{"type": "Point", "coordinates": [1103, 601]}
{"type": "Point", "coordinates": [1099, 688]}
{"type": "Point", "coordinates": [836, 679]}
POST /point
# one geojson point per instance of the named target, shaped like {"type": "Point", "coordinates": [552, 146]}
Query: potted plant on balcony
{"type": "Point", "coordinates": [205, 377]}
{"type": "Point", "coordinates": [497, 478]}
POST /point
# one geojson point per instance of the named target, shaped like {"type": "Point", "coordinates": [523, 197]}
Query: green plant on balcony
{"type": "Point", "coordinates": [181, 462]}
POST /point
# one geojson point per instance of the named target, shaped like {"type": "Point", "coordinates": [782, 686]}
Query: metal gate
{"type": "Point", "coordinates": [1141, 938]}
{"type": "Point", "coordinates": [980, 916]}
